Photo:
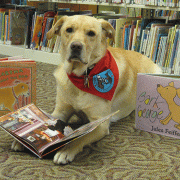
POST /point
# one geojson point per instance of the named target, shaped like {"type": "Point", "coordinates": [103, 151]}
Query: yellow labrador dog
{"type": "Point", "coordinates": [93, 78]}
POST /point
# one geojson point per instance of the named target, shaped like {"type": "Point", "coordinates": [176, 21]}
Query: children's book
{"type": "Point", "coordinates": [158, 104]}
{"type": "Point", "coordinates": [120, 23]}
{"type": "Point", "coordinates": [47, 28]}
{"type": "Point", "coordinates": [40, 132]}
{"type": "Point", "coordinates": [136, 34]}
{"type": "Point", "coordinates": [2, 25]}
{"type": "Point", "coordinates": [37, 33]}
{"type": "Point", "coordinates": [17, 83]}
{"type": "Point", "coordinates": [18, 27]}
{"type": "Point", "coordinates": [46, 16]}
{"type": "Point", "coordinates": [52, 41]}
{"type": "Point", "coordinates": [6, 29]}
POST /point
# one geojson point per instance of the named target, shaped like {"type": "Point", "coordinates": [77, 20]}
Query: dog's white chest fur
{"type": "Point", "coordinates": [71, 95]}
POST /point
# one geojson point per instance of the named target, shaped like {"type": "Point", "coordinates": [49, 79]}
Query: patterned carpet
{"type": "Point", "coordinates": [127, 153]}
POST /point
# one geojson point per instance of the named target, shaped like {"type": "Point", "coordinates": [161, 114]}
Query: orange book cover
{"type": "Point", "coordinates": [6, 29]}
{"type": "Point", "coordinates": [37, 33]}
{"type": "Point", "coordinates": [17, 84]}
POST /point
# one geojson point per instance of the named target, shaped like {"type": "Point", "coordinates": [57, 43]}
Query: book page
{"type": "Point", "coordinates": [31, 125]}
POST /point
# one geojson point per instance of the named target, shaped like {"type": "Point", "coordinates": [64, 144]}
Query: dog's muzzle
{"type": "Point", "coordinates": [76, 52]}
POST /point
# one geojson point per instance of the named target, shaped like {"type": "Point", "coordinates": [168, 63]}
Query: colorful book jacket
{"type": "Point", "coordinates": [18, 27]}
{"type": "Point", "coordinates": [40, 132]}
{"type": "Point", "coordinates": [158, 104]}
{"type": "Point", "coordinates": [37, 33]}
{"type": "Point", "coordinates": [17, 84]}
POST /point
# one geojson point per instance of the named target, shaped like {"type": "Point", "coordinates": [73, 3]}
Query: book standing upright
{"type": "Point", "coordinates": [17, 84]}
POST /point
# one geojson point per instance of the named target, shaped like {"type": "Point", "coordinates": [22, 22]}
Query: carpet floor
{"type": "Point", "coordinates": [126, 153]}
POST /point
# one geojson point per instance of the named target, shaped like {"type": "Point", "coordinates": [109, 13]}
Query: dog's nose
{"type": "Point", "coordinates": [158, 85]}
{"type": "Point", "coordinates": [76, 46]}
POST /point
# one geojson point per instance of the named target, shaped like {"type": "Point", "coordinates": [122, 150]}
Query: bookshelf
{"type": "Point", "coordinates": [111, 4]}
{"type": "Point", "coordinates": [53, 58]}
{"type": "Point", "coordinates": [12, 50]}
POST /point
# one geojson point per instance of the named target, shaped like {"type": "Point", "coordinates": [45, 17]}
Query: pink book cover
{"type": "Point", "coordinates": [158, 104]}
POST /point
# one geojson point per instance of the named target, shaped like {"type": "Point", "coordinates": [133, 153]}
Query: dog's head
{"type": "Point", "coordinates": [83, 41]}
{"type": "Point", "coordinates": [168, 92]}
{"type": "Point", "coordinates": [21, 89]}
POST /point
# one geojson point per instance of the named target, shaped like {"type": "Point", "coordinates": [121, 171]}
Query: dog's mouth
{"type": "Point", "coordinates": [77, 58]}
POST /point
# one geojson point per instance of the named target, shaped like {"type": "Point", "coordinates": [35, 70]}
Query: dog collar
{"type": "Point", "coordinates": [102, 79]}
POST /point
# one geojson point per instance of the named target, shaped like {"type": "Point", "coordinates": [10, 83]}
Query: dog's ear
{"type": "Point", "coordinates": [56, 28]}
{"type": "Point", "coordinates": [171, 84]}
{"type": "Point", "coordinates": [109, 30]}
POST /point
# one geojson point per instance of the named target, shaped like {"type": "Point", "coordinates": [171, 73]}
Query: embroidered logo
{"type": "Point", "coordinates": [104, 81]}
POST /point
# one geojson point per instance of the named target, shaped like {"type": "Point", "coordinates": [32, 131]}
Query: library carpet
{"type": "Point", "coordinates": [126, 153]}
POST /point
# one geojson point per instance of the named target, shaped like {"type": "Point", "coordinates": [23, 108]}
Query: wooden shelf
{"type": "Point", "coordinates": [10, 50]}
{"type": "Point", "coordinates": [112, 4]}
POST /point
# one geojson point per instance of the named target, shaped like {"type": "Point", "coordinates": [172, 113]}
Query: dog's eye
{"type": "Point", "coordinates": [22, 87]}
{"type": "Point", "coordinates": [69, 30]}
{"type": "Point", "coordinates": [91, 33]}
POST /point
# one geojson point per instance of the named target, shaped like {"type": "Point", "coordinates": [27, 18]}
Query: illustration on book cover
{"type": "Point", "coordinates": [158, 107]}
{"type": "Point", "coordinates": [15, 88]}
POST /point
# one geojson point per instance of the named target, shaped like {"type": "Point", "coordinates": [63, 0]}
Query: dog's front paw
{"type": "Point", "coordinates": [16, 146]}
{"type": "Point", "coordinates": [66, 154]}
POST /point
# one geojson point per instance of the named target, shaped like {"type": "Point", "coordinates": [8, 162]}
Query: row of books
{"type": "Point", "coordinates": [161, 44]}
{"type": "Point", "coordinates": [167, 13]}
{"type": "Point", "coordinates": [151, 37]}
{"type": "Point", "coordinates": [168, 3]}
{"type": "Point", "coordinates": [30, 28]}
{"type": "Point", "coordinates": [19, 2]}
{"type": "Point", "coordinates": [15, 25]}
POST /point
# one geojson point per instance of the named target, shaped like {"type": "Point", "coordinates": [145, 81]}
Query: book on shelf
{"type": "Point", "coordinates": [161, 52]}
{"type": "Point", "coordinates": [144, 40]}
{"type": "Point", "coordinates": [36, 32]}
{"type": "Point", "coordinates": [46, 16]}
{"type": "Point", "coordinates": [51, 42]}
{"type": "Point", "coordinates": [174, 59]}
{"type": "Point", "coordinates": [30, 14]}
{"type": "Point", "coordinates": [176, 65]}
{"type": "Point", "coordinates": [126, 33]}
{"type": "Point", "coordinates": [47, 28]}
{"type": "Point", "coordinates": [6, 29]}
{"type": "Point", "coordinates": [40, 132]}
{"type": "Point", "coordinates": [170, 46]}
{"type": "Point", "coordinates": [136, 35]}
{"type": "Point", "coordinates": [18, 27]}
{"type": "Point", "coordinates": [2, 25]}
{"type": "Point", "coordinates": [17, 83]}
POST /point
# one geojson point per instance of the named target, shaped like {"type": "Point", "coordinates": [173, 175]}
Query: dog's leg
{"type": "Point", "coordinates": [62, 111]}
{"type": "Point", "coordinates": [67, 153]}
{"type": "Point", "coordinates": [166, 120]}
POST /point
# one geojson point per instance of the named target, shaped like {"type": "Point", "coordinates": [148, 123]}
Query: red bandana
{"type": "Point", "coordinates": [102, 79]}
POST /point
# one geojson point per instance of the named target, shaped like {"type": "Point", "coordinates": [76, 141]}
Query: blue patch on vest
{"type": "Point", "coordinates": [104, 81]}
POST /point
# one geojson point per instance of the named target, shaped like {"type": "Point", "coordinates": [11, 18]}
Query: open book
{"type": "Point", "coordinates": [35, 129]}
